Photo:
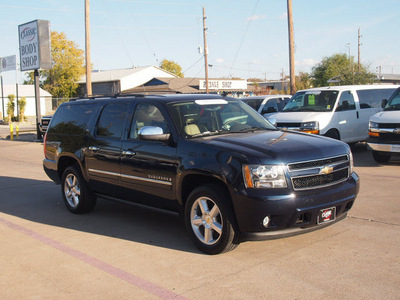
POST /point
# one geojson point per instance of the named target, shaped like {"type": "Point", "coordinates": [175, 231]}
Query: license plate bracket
{"type": "Point", "coordinates": [327, 215]}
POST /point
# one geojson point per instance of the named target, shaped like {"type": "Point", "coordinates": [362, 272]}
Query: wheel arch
{"type": "Point", "coordinates": [67, 161]}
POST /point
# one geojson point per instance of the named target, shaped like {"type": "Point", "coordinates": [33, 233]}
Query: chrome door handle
{"type": "Point", "coordinates": [127, 152]}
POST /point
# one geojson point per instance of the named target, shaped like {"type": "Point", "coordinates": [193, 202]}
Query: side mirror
{"type": "Point", "coordinates": [384, 102]}
{"type": "Point", "coordinates": [153, 133]}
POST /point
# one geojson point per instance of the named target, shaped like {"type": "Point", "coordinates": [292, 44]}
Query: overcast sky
{"type": "Point", "coordinates": [246, 38]}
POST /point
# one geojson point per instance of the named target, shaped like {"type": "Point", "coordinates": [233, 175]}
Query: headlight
{"type": "Point", "coordinates": [310, 127]}
{"type": "Point", "coordinates": [351, 163]}
{"type": "Point", "coordinates": [264, 176]}
{"type": "Point", "coordinates": [373, 125]}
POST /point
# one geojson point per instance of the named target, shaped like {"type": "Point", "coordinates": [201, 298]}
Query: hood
{"type": "Point", "coordinates": [386, 117]}
{"type": "Point", "coordinates": [280, 146]}
{"type": "Point", "coordinates": [302, 116]}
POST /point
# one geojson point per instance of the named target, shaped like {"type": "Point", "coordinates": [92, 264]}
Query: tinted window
{"type": "Point", "coordinates": [271, 106]}
{"type": "Point", "coordinates": [147, 115]}
{"type": "Point", "coordinates": [373, 98]}
{"type": "Point", "coordinates": [282, 103]}
{"type": "Point", "coordinates": [112, 120]}
{"type": "Point", "coordinates": [346, 102]}
{"type": "Point", "coordinates": [254, 103]}
{"type": "Point", "coordinates": [72, 118]}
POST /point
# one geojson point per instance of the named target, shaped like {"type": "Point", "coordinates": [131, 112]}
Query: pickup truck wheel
{"type": "Point", "coordinates": [380, 158]}
{"type": "Point", "coordinates": [209, 221]}
{"type": "Point", "coordinates": [76, 195]}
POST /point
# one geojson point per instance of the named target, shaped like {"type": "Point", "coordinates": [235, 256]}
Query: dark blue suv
{"type": "Point", "coordinates": [215, 160]}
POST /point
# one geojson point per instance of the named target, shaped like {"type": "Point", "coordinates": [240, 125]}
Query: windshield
{"type": "Point", "coordinates": [394, 101]}
{"type": "Point", "coordinates": [312, 101]}
{"type": "Point", "coordinates": [216, 116]}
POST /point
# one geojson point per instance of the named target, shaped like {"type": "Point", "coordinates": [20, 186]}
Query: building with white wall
{"type": "Point", "coordinates": [27, 91]}
{"type": "Point", "coordinates": [112, 82]}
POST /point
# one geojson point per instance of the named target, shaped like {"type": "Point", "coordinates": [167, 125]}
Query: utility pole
{"type": "Point", "coordinates": [87, 50]}
{"type": "Point", "coordinates": [205, 47]}
{"type": "Point", "coordinates": [359, 49]}
{"type": "Point", "coordinates": [291, 48]}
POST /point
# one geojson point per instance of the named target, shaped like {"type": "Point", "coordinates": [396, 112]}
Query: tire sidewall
{"type": "Point", "coordinates": [228, 238]}
{"type": "Point", "coordinates": [87, 200]}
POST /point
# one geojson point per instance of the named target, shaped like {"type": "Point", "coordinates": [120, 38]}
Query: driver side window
{"type": "Point", "coordinates": [346, 102]}
{"type": "Point", "coordinates": [147, 115]}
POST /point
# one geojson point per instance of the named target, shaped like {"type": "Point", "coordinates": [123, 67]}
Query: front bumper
{"type": "Point", "coordinates": [392, 148]}
{"type": "Point", "coordinates": [292, 213]}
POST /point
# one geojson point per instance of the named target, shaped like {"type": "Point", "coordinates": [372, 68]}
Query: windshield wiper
{"type": "Point", "coordinates": [205, 133]}
{"type": "Point", "coordinates": [254, 128]}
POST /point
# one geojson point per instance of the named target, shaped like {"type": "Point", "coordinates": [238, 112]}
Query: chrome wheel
{"type": "Point", "coordinates": [72, 190]}
{"type": "Point", "coordinates": [206, 220]}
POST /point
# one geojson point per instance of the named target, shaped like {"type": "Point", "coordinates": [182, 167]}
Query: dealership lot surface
{"type": "Point", "coordinates": [129, 252]}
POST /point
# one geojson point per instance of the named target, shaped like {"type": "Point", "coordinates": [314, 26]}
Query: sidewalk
{"type": "Point", "coordinates": [27, 132]}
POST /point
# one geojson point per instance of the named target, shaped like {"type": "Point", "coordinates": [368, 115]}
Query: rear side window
{"type": "Point", "coordinates": [72, 118]}
{"type": "Point", "coordinates": [112, 120]}
{"type": "Point", "coordinates": [373, 98]}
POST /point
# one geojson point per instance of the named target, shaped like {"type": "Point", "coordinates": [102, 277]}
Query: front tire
{"type": "Point", "coordinates": [209, 220]}
{"type": "Point", "coordinates": [77, 197]}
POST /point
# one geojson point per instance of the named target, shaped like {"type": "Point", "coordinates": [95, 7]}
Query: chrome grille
{"type": "Point", "coordinates": [319, 173]}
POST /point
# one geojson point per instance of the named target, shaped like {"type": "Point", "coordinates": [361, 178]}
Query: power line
{"type": "Point", "coordinates": [244, 35]}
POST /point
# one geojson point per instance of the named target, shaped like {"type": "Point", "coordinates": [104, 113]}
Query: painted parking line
{"type": "Point", "coordinates": [121, 274]}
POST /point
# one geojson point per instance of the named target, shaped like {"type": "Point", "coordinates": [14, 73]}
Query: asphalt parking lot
{"type": "Point", "coordinates": [130, 252]}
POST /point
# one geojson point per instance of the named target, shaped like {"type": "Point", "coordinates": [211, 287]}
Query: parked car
{"type": "Point", "coordinates": [339, 112]}
{"type": "Point", "coordinates": [268, 104]}
{"type": "Point", "coordinates": [384, 130]}
{"type": "Point", "coordinates": [228, 171]}
{"type": "Point", "coordinates": [44, 123]}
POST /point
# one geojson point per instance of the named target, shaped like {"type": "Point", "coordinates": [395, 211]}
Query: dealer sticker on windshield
{"type": "Point", "coordinates": [327, 215]}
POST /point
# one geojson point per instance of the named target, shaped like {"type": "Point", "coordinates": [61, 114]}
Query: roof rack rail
{"type": "Point", "coordinates": [127, 95]}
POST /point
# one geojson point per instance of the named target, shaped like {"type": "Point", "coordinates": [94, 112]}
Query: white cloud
{"type": "Point", "coordinates": [256, 17]}
{"type": "Point", "coordinates": [283, 16]}
{"type": "Point", "coordinates": [306, 64]}
{"type": "Point", "coordinates": [219, 60]}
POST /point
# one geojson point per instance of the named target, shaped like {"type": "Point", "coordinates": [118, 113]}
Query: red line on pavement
{"type": "Point", "coordinates": [121, 274]}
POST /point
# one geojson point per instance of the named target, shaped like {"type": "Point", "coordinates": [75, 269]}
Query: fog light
{"type": "Point", "coordinates": [266, 221]}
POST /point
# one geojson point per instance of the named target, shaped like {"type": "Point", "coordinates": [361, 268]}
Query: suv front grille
{"type": "Point", "coordinates": [317, 163]}
{"type": "Point", "coordinates": [319, 173]}
{"type": "Point", "coordinates": [320, 180]}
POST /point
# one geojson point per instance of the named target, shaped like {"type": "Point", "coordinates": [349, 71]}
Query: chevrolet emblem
{"type": "Point", "coordinates": [326, 170]}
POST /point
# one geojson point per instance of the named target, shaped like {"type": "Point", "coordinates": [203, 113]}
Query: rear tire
{"type": "Point", "coordinates": [209, 220]}
{"type": "Point", "coordinates": [77, 197]}
{"type": "Point", "coordinates": [379, 157]}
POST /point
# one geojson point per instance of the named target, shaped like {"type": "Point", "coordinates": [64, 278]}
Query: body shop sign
{"type": "Point", "coordinates": [34, 45]}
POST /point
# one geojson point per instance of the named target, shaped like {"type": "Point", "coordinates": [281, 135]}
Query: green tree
{"type": "Point", "coordinates": [68, 68]}
{"type": "Point", "coordinates": [172, 67]}
{"type": "Point", "coordinates": [342, 70]}
{"type": "Point", "coordinates": [22, 105]}
{"type": "Point", "coordinates": [303, 81]}
{"type": "Point", "coordinates": [10, 108]}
